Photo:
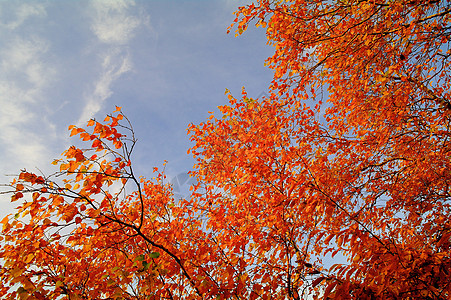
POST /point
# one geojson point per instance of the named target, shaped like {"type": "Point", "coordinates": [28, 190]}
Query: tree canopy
{"type": "Point", "coordinates": [335, 186]}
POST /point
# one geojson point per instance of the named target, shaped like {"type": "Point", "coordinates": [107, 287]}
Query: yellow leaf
{"type": "Point", "coordinates": [27, 284]}
{"type": "Point", "coordinates": [29, 258]}
{"type": "Point", "coordinates": [16, 272]}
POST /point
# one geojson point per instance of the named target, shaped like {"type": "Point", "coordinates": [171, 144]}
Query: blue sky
{"type": "Point", "coordinates": [167, 63]}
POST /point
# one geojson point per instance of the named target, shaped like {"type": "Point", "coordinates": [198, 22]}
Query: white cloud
{"type": "Point", "coordinates": [25, 148]}
{"type": "Point", "coordinates": [20, 145]}
{"type": "Point", "coordinates": [114, 65]}
{"type": "Point", "coordinates": [14, 106]}
{"type": "Point", "coordinates": [23, 78]}
{"type": "Point", "coordinates": [31, 92]}
{"type": "Point", "coordinates": [112, 24]}
{"type": "Point", "coordinates": [23, 56]}
{"type": "Point", "coordinates": [27, 71]}
{"type": "Point", "coordinates": [24, 11]}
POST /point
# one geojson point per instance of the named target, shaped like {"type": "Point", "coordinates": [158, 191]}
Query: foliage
{"type": "Point", "coordinates": [283, 187]}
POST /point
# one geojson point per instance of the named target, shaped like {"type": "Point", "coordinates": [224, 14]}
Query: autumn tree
{"type": "Point", "coordinates": [336, 186]}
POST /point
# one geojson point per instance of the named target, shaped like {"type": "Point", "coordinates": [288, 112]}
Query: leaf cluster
{"type": "Point", "coordinates": [345, 198]}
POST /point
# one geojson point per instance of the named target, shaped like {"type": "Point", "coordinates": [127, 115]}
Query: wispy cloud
{"type": "Point", "coordinates": [114, 65]}
{"type": "Point", "coordinates": [24, 76]}
{"type": "Point", "coordinates": [22, 13]}
{"type": "Point", "coordinates": [23, 57]}
{"type": "Point", "coordinates": [113, 25]}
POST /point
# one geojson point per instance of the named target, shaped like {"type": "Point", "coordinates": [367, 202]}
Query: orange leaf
{"type": "Point", "coordinates": [5, 220]}
{"type": "Point", "coordinates": [73, 132]}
